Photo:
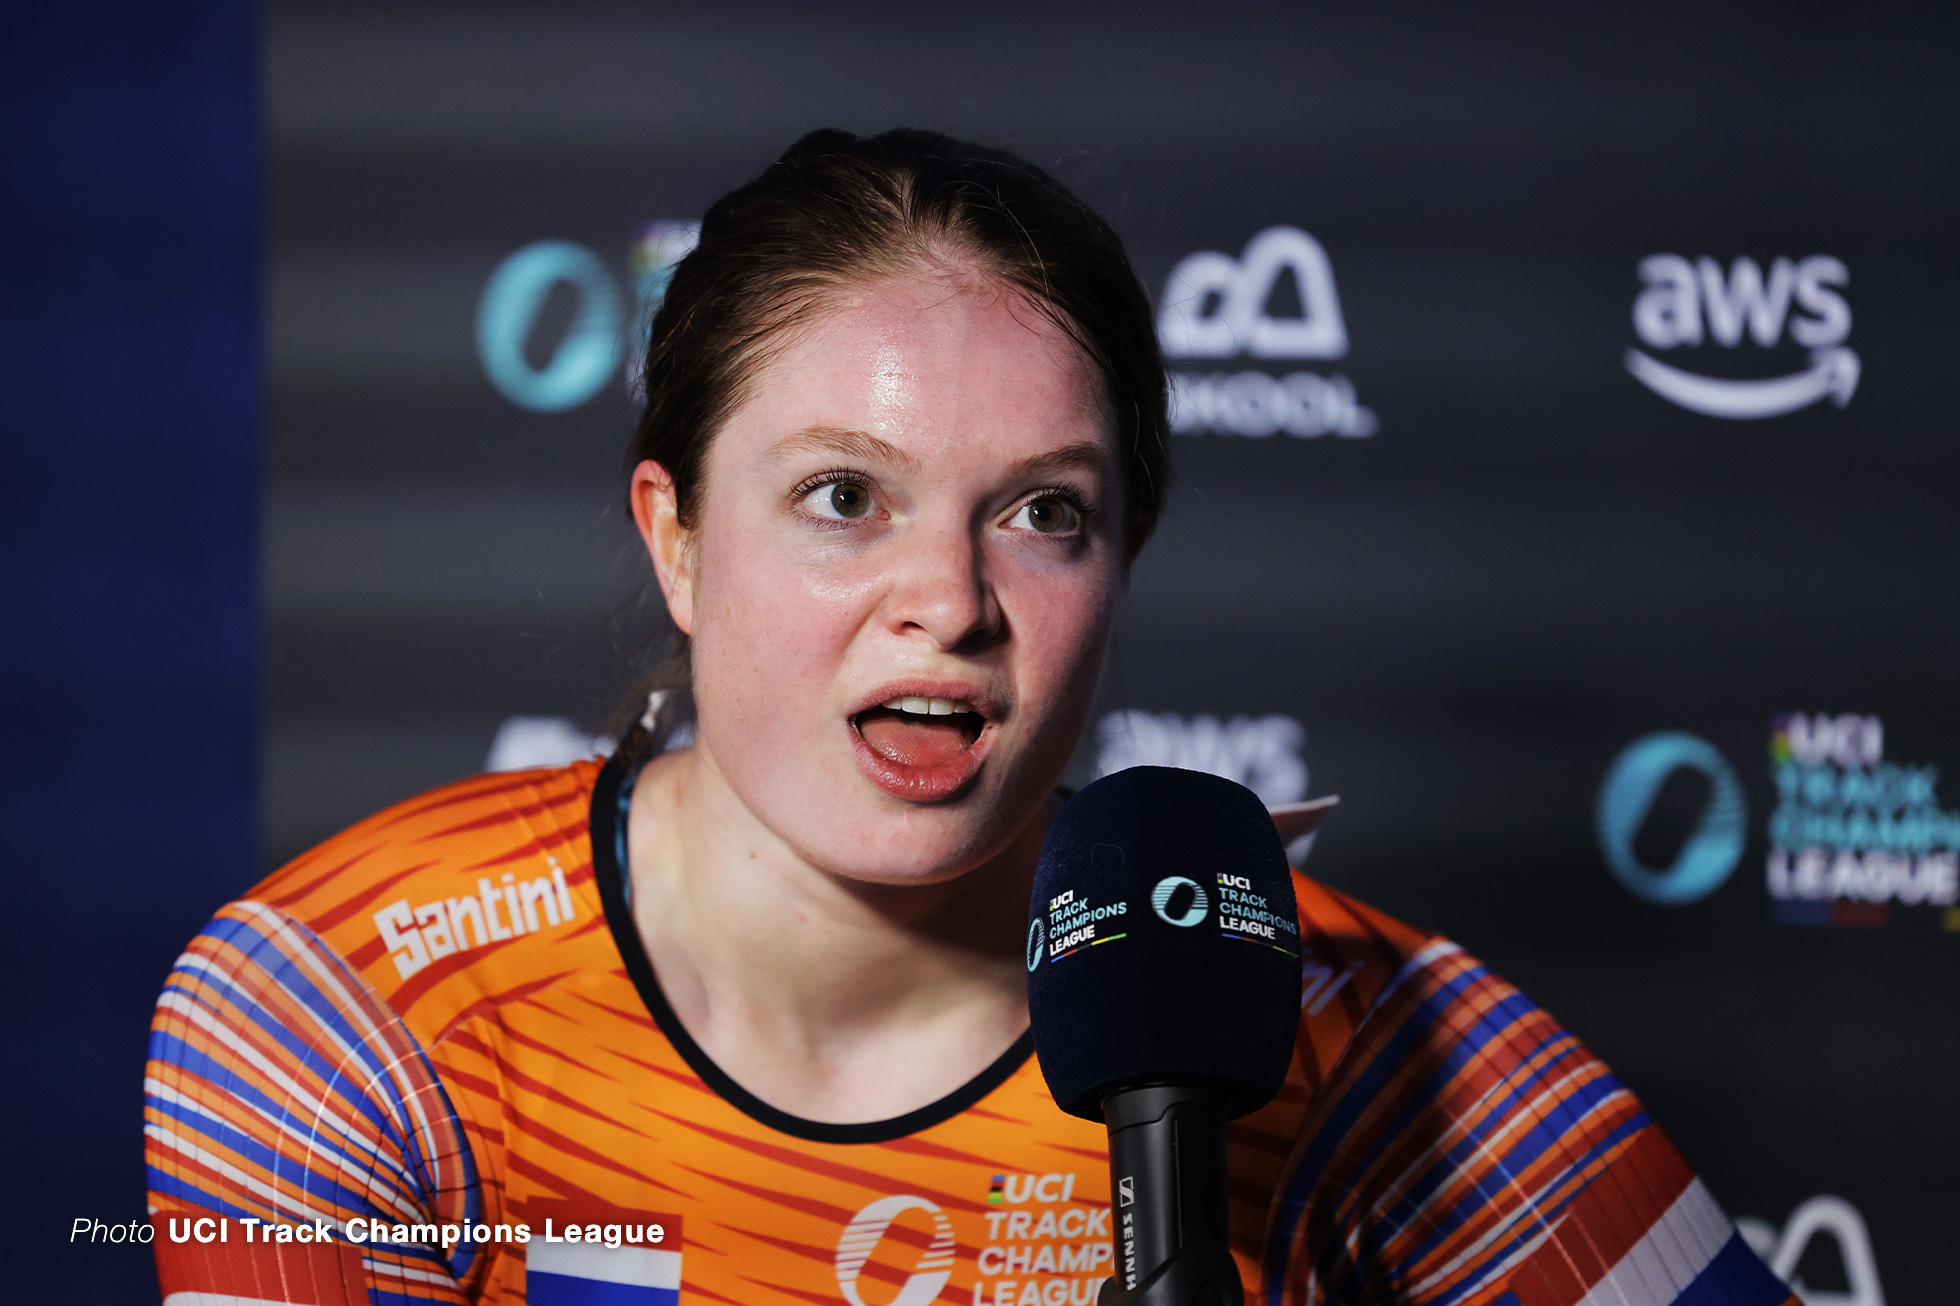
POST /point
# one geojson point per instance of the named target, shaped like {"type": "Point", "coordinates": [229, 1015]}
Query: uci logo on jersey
{"type": "Point", "coordinates": [1684, 304]}
{"type": "Point", "coordinates": [1275, 301]}
{"type": "Point", "coordinates": [924, 1252]}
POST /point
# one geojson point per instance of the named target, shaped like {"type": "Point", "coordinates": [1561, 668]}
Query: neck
{"type": "Point", "coordinates": [827, 997]}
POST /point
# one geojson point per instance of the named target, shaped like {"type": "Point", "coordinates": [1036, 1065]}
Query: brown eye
{"type": "Point", "coordinates": [840, 500]}
{"type": "Point", "coordinates": [1048, 515]}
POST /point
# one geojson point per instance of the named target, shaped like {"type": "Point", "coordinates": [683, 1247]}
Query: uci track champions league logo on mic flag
{"type": "Point", "coordinates": [1274, 303]}
{"type": "Point", "coordinates": [1689, 305]}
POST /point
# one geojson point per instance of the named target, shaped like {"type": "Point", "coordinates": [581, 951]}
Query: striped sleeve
{"type": "Point", "coordinates": [282, 1089]}
{"type": "Point", "coordinates": [1468, 1150]}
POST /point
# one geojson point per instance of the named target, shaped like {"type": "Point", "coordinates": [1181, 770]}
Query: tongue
{"type": "Point", "coordinates": [913, 740]}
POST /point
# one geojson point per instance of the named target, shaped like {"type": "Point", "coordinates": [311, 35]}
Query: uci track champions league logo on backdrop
{"type": "Point", "coordinates": [1851, 836]}
{"type": "Point", "coordinates": [557, 378]}
{"type": "Point", "coordinates": [1273, 304]}
{"type": "Point", "coordinates": [1684, 305]}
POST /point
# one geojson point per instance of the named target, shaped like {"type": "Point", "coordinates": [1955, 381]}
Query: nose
{"type": "Point", "coordinates": [942, 591]}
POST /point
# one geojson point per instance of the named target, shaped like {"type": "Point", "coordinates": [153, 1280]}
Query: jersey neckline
{"type": "Point", "coordinates": [606, 833]}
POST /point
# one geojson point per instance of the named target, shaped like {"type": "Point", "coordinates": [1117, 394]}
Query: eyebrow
{"type": "Point", "coordinates": [843, 442]}
{"type": "Point", "coordinates": [1083, 456]}
{"type": "Point", "coordinates": [862, 445]}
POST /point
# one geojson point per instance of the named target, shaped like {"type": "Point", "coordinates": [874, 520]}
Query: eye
{"type": "Point", "coordinates": [839, 500]}
{"type": "Point", "coordinates": [1048, 514]}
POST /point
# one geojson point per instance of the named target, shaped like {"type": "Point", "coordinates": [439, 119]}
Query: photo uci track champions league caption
{"type": "Point", "coordinates": [1509, 853]}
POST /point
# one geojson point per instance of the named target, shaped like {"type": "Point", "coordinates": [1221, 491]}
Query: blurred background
{"type": "Point", "coordinates": [1567, 466]}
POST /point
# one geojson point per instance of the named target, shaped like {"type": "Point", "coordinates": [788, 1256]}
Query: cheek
{"type": "Point", "coordinates": [1061, 622]}
{"type": "Point", "coordinates": [769, 619]}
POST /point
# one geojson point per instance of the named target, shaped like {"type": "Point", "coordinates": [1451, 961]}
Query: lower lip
{"type": "Point", "coordinates": [921, 784]}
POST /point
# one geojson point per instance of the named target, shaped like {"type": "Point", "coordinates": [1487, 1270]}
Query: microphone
{"type": "Point", "coordinates": [1164, 991]}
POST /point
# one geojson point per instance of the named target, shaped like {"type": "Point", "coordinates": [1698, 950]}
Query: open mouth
{"type": "Point", "coordinates": [923, 732]}
{"type": "Point", "coordinates": [921, 749]}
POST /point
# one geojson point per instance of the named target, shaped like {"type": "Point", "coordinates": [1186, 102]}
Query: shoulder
{"type": "Point", "coordinates": [1410, 1044]}
{"type": "Point", "coordinates": [461, 892]}
{"type": "Point", "coordinates": [1380, 997]}
{"type": "Point", "coordinates": [1447, 1133]}
{"type": "Point", "coordinates": [1351, 957]}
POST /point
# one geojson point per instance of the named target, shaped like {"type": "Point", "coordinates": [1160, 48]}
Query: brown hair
{"type": "Point", "coordinates": [837, 209]}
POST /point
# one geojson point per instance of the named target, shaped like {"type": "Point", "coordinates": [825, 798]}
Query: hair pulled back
{"type": "Point", "coordinates": [837, 210]}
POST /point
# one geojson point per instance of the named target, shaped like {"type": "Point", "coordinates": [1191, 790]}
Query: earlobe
{"type": "Point", "coordinates": [656, 511]}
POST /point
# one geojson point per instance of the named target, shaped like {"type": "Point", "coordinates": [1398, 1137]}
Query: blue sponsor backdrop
{"type": "Point", "coordinates": [1566, 432]}
{"type": "Point", "coordinates": [129, 649]}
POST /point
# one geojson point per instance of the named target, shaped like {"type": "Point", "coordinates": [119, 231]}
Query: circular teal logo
{"type": "Point", "coordinates": [509, 309]}
{"type": "Point", "coordinates": [1627, 794]}
{"type": "Point", "coordinates": [1179, 901]}
{"type": "Point", "coordinates": [1037, 942]}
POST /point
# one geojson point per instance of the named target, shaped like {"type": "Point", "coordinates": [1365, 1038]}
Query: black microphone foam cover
{"type": "Point", "coordinates": [1163, 942]}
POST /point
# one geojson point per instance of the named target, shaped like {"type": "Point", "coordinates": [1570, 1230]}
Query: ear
{"type": "Point", "coordinates": [1136, 534]}
{"type": "Point", "coordinates": [657, 513]}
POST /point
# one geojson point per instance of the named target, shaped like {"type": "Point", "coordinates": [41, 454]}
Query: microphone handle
{"type": "Point", "coordinates": [1168, 1195]}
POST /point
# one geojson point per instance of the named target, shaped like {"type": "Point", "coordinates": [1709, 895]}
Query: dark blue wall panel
{"type": "Point", "coordinates": [129, 436]}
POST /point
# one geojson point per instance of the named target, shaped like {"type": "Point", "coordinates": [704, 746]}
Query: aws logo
{"type": "Point", "coordinates": [1686, 304]}
{"type": "Point", "coordinates": [1262, 753]}
{"type": "Point", "coordinates": [1275, 301]}
{"type": "Point", "coordinates": [926, 1271]}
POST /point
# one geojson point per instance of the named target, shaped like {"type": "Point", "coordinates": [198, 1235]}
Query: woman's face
{"type": "Point", "coordinates": [902, 577]}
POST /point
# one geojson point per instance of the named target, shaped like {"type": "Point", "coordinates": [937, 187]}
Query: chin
{"type": "Point", "coordinates": [856, 831]}
{"type": "Point", "coordinates": [916, 844]}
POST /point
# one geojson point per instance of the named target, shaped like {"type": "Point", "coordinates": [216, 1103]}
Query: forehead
{"type": "Point", "coordinates": [946, 367]}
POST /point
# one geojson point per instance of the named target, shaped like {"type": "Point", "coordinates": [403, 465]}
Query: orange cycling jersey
{"type": "Point", "coordinates": [430, 1062]}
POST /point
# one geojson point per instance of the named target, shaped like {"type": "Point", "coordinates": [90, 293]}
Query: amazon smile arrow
{"type": "Point", "coordinates": [1832, 372]}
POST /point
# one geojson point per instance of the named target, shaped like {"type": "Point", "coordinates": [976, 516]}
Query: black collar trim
{"type": "Point", "coordinates": [606, 835]}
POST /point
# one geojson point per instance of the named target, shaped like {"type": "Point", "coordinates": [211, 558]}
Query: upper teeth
{"type": "Point", "coordinates": [929, 706]}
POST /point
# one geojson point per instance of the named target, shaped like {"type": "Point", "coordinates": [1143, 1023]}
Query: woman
{"type": "Point", "coordinates": [747, 1020]}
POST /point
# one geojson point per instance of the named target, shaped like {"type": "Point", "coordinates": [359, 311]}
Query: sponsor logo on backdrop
{"type": "Point", "coordinates": [1627, 797]}
{"type": "Point", "coordinates": [1687, 304]}
{"type": "Point", "coordinates": [598, 334]}
{"type": "Point", "coordinates": [1262, 753]}
{"type": "Point", "coordinates": [1830, 1218]}
{"type": "Point", "coordinates": [1273, 304]}
{"type": "Point", "coordinates": [1853, 837]}
{"type": "Point", "coordinates": [523, 742]}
